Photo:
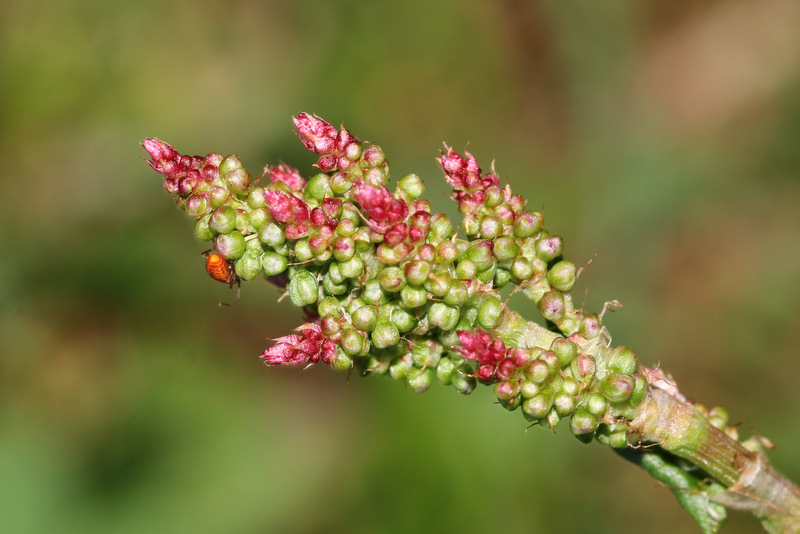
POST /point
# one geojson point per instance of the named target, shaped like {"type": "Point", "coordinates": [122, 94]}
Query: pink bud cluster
{"type": "Point", "coordinates": [307, 347]}
{"type": "Point", "coordinates": [182, 174]}
{"type": "Point", "coordinates": [495, 361]}
{"type": "Point", "coordinates": [339, 149]}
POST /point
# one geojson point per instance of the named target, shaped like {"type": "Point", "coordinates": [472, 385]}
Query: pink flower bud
{"type": "Point", "coordinates": [308, 347]}
{"type": "Point", "coordinates": [382, 209]}
{"type": "Point", "coordinates": [318, 135]}
{"type": "Point", "coordinates": [287, 175]}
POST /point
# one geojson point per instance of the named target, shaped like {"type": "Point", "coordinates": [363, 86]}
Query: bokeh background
{"type": "Point", "coordinates": [659, 138]}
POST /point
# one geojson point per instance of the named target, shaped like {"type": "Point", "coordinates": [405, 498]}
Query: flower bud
{"type": "Point", "coordinates": [565, 349]}
{"type": "Point", "coordinates": [548, 248]}
{"type": "Point", "coordinates": [271, 234]}
{"type": "Point", "coordinates": [419, 380]}
{"type": "Point", "coordinates": [365, 318]}
{"type": "Point", "coordinates": [552, 306]}
{"type": "Point", "coordinates": [217, 196]}
{"type": "Point", "coordinates": [521, 268]}
{"type": "Point", "coordinates": [562, 275]}
{"type": "Point", "coordinates": [392, 279]}
{"type": "Point", "coordinates": [318, 187]}
{"type": "Point", "coordinates": [303, 288]}
{"type": "Point", "coordinates": [274, 263]}
{"type": "Point", "coordinates": [231, 245]}
{"type": "Point", "coordinates": [385, 335]}
{"type": "Point", "coordinates": [505, 248]}
{"type": "Point", "coordinates": [527, 224]}
{"type": "Point", "coordinates": [239, 181]}
{"type": "Point", "coordinates": [403, 320]}
{"type": "Point", "coordinates": [564, 403]}
{"type": "Point", "coordinates": [223, 220]}
{"type": "Point", "coordinates": [417, 272]}
{"type": "Point", "coordinates": [537, 407]}
{"type": "Point", "coordinates": [466, 270]}
{"type": "Point", "coordinates": [440, 226]}
{"type": "Point", "coordinates": [462, 382]}
{"type": "Point", "coordinates": [248, 267]}
{"type": "Point", "coordinates": [411, 185]}
{"type": "Point", "coordinates": [444, 370]}
{"type": "Point", "coordinates": [443, 316]}
{"type": "Point", "coordinates": [352, 342]}
{"type": "Point", "coordinates": [373, 294]}
{"type": "Point", "coordinates": [202, 231]}
{"type": "Point", "coordinates": [413, 297]}
{"type": "Point", "coordinates": [597, 404]}
{"type": "Point", "coordinates": [583, 368]}
{"type": "Point", "coordinates": [623, 360]}
{"type": "Point", "coordinates": [328, 306]}
{"type": "Point", "coordinates": [341, 361]}
{"type": "Point", "coordinates": [400, 367]}
{"type": "Point", "coordinates": [490, 227]}
{"type": "Point", "coordinates": [583, 423]}
{"type": "Point", "coordinates": [480, 253]}
{"type": "Point", "coordinates": [331, 287]}
{"type": "Point", "coordinates": [438, 283]}
{"type": "Point", "coordinates": [617, 387]}
{"type": "Point", "coordinates": [302, 250]}
{"type": "Point", "coordinates": [537, 371]}
{"type": "Point", "coordinates": [457, 294]}
{"type": "Point", "coordinates": [489, 312]}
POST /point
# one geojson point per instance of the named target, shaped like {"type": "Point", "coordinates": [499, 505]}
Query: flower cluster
{"type": "Point", "coordinates": [388, 287]}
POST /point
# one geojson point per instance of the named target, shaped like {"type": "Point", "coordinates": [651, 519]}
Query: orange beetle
{"type": "Point", "coordinates": [222, 270]}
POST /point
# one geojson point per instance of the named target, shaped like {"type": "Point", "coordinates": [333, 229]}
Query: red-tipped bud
{"type": "Point", "coordinates": [318, 135]}
{"type": "Point", "coordinates": [286, 208]}
{"type": "Point", "coordinates": [308, 347]}
{"type": "Point", "coordinates": [382, 209]}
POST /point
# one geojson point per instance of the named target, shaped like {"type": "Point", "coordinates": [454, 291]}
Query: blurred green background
{"type": "Point", "coordinates": [659, 136]}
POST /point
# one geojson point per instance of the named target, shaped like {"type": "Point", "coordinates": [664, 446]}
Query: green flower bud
{"type": "Point", "coordinates": [441, 226]}
{"type": "Point", "coordinates": [597, 404]}
{"type": "Point", "coordinates": [639, 390]}
{"type": "Point", "coordinates": [202, 231]}
{"type": "Point", "coordinates": [257, 218]}
{"type": "Point", "coordinates": [239, 182]}
{"type": "Point", "coordinates": [501, 277]}
{"type": "Point", "coordinates": [400, 367]}
{"type": "Point", "coordinates": [505, 248]}
{"type": "Point", "coordinates": [352, 268]}
{"type": "Point", "coordinates": [549, 248]}
{"type": "Point", "coordinates": [417, 272]}
{"type": "Point", "coordinates": [217, 196]}
{"type": "Point", "coordinates": [231, 245]}
{"type": "Point", "coordinates": [489, 312]}
{"type": "Point", "coordinates": [419, 380]}
{"type": "Point", "coordinates": [302, 250]}
{"type": "Point", "coordinates": [273, 263]}
{"type": "Point", "coordinates": [463, 382]}
{"type": "Point", "coordinates": [392, 279]}
{"type": "Point", "coordinates": [521, 268]}
{"type": "Point", "coordinates": [344, 248]}
{"type": "Point", "coordinates": [256, 199]}
{"type": "Point", "coordinates": [564, 403]}
{"type": "Point", "coordinates": [527, 224]}
{"type": "Point", "coordinates": [471, 223]}
{"type": "Point", "coordinates": [457, 294]}
{"type": "Point", "coordinates": [583, 368]}
{"type": "Point", "coordinates": [352, 342]}
{"type": "Point", "coordinates": [617, 387]}
{"type": "Point", "coordinates": [197, 205]}
{"type": "Point", "coordinates": [303, 288]}
{"type": "Point", "coordinates": [413, 297]}
{"type": "Point", "coordinates": [365, 318]}
{"type": "Point", "coordinates": [490, 227]}
{"type": "Point", "coordinates": [229, 164]}
{"type": "Point", "coordinates": [466, 270]}
{"type": "Point", "coordinates": [562, 275]}
{"type": "Point", "coordinates": [528, 389]}
{"type": "Point", "coordinates": [507, 390]}
{"type": "Point", "coordinates": [445, 369]}
{"type": "Point", "coordinates": [446, 252]}
{"type": "Point", "coordinates": [340, 183]}
{"type": "Point", "coordinates": [480, 253]}
{"type": "Point", "coordinates": [443, 316]}
{"type": "Point", "coordinates": [623, 360]}
{"type": "Point", "coordinates": [493, 197]}
{"type": "Point", "coordinates": [411, 185]}
{"type": "Point", "coordinates": [552, 306]}
{"type": "Point", "coordinates": [271, 234]}
{"type": "Point", "coordinates": [223, 220]}
{"type": "Point", "coordinates": [328, 306]}
{"type": "Point", "coordinates": [335, 273]}
{"type": "Point", "coordinates": [385, 335]}
{"type": "Point", "coordinates": [438, 283]}
{"type": "Point", "coordinates": [565, 349]}
{"type": "Point", "coordinates": [403, 320]}
{"type": "Point", "coordinates": [342, 362]}
{"type": "Point", "coordinates": [537, 407]}
{"type": "Point", "coordinates": [537, 372]}
{"type": "Point", "coordinates": [318, 187]}
{"type": "Point", "coordinates": [248, 267]}
{"type": "Point", "coordinates": [330, 287]}
{"type": "Point", "coordinates": [487, 275]}
{"type": "Point", "coordinates": [583, 423]}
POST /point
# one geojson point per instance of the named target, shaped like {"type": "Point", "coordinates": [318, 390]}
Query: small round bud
{"type": "Point", "coordinates": [417, 272]}
{"type": "Point", "coordinates": [419, 380]}
{"type": "Point", "coordinates": [489, 312]}
{"type": "Point", "coordinates": [457, 294]}
{"type": "Point", "coordinates": [341, 182]}
{"type": "Point", "coordinates": [344, 248]}
{"type": "Point", "coordinates": [466, 270]}
{"type": "Point", "coordinates": [490, 227]}
{"type": "Point", "coordinates": [271, 234]}
{"type": "Point", "coordinates": [623, 360]}
{"type": "Point", "coordinates": [239, 182]}
{"type": "Point", "coordinates": [341, 361]}
{"type": "Point", "coordinates": [403, 320]}
{"type": "Point", "coordinates": [537, 371]}
{"type": "Point", "coordinates": [229, 164]}
{"type": "Point", "coordinates": [505, 248]}
{"type": "Point", "coordinates": [583, 368]}
{"type": "Point", "coordinates": [597, 404]}
{"type": "Point", "coordinates": [223, 220]}
{"type": "Point", "coordinates": [480, 254]}
{"type": "Point", "coordinates": [639, 390]}
{"type": "Point", "coordinates": [231, 245]}
{"type": "Point", "coordinates": [463, 382]}
{"type": "Point", "coordinates": [256, 199]}
{"type": "Point", "coordinates": [352, 342]}
{"type": "Point", "coordinates": [438, 283]}
{"type": "Point", "coordinates": [303, 288]}
{"type": "Point", "coordinates": [413, 297]}
{"type": "Point", "coordinates": [549, 248]}
{"type": "Point", "coordinates": [328, 306]}
{"type": "Point", "coordinates": [274, 263]}
{"type": "Point", "coordinates": [527, 224]}
{"type": "Point", "coordinates": [537, 407]}
{"type": "Point", "coordinates": [583, 423]}
{"type": "Point", "coordinates": [446, 252]}
{"type": "Point", "coordinates": [441, 226]}
{"type": "Point", "coordinates": [445, 370]}
{"type": "Point", "coordinates": [392, 279]}
{"type": "Point", "coordinates": [317, 187]}
{"type": "Point", "coordinates": [302, 250]}
{"type": "Point", "coordinates": [501, 277]}
{"type": "Point", "coordinates": [202, 231]}
{"type": "Point", "coordinates": [552, 306]}
{"type": "Point", "coordinates": [443, 316]}
{"type": "Point", "coordinates": [331, 287]}
{"type": "Point", "coordinates": [529, 388]}
{"type": "Point", "coordinates": [521, 268]}
{"type": "Point", "coordinates": [411, 185]}
{"type": "Point", "coordinates": [562, 275]}
{"type": "Point", "coordinates": [248, 267]}
{"type": "Point", "coordinates": [373, 293]}
{"type": "Point", "coordinates": [352, 268]}
{"type": "Point", "coordinates": [365, 318]}
{"type": "Point", "coordinates": [385, 335]}
{"type": "Point", "coordinates": [564, 403]}
{"type": "Point", "coordinates": [617, 387]}
{"type": "Point", "coordinates": [217, 196]}
{"type": "Point", "coordinates": [400, 367]}
{"type": "Point", "coordinates": [565, 349]}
